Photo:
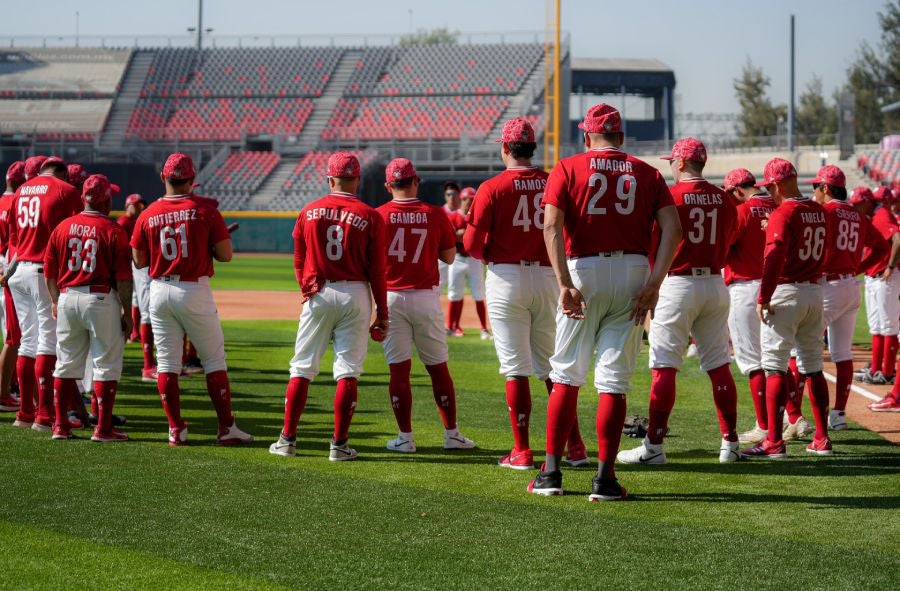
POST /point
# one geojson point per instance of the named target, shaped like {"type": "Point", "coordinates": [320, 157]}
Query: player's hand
{"type": "Point", "coordinates": [127, 324]}
{"type": "Point", "coordinates": [4, 280]}
{"type": "Point", "coordinates": [642, 302]}
{"type": "Point", "coordinates": [378, 330]}
{"type": "Point", "coordinates": [887, 273]}
{"type": "Point", "coordinates": [764, 311]}
{"type": "Point", "coordinates": [572, 303]}
{"type": "Point", "coordinates": [53, 310]}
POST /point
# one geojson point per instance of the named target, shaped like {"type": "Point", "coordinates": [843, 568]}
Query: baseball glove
{"type": "Point", "coordinates": [636, 426]}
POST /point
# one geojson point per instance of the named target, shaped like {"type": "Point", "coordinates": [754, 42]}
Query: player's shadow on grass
{"type": "Point", "coordinates": [841, 464]}
{"type": "Point", "coordinates": [890, 502]}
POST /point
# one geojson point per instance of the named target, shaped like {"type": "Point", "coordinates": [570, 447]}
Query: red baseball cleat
{"type": "Point", "coordinates": [232, 435]}
{"type": "Point", "coordinates": [8, 404]}
{"type": "Point", "coordinates": [606, 489]}
{"type": "Point", "coordinates": [577, 457]}
{"type": "Point", "coordinates": [886, 404]}
{"type": "Point", "coordinates": [149, 375]}
{"type": "Point", "coordinates": [60, 432]}
{"type": "Point", "coordinates": [773, 451]}
{"type": "Point", "coordinates": [517, 460]}
{"type": "Point", "coordinates": [178, 436]}
{"type": "Point", "coordinates": [109, 437]}
{"type": "Point", "coordinates": [820, 447]}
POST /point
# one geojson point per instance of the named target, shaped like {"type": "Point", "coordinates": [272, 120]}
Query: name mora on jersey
{"type": "Point", "coordinates": [82, 231]}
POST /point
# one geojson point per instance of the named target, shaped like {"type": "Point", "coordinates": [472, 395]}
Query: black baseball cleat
{"type": "Point", "coordinates": [546, 483]}
{"type": "Point", "coordinates": [607, 489]}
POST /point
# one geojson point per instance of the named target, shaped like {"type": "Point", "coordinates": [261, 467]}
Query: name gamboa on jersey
{"type": "Point", "coordinates": [88, 249]}
{"type": "Point", "coordinates": [610, 200]}
{"type": "Point", "coordinates": [415, 233]}
{"type": "Point", "coordinates": [179, 233]}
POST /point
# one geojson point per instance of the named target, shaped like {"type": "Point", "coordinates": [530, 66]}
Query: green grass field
{"type": "Point", "coordinates": [143, 515]}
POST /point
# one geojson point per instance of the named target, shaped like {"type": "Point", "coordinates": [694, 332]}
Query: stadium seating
{"type": "Point", "coordinates": [61, 73]}
{"type": "Point", "coordinates": [307, 180]}
{"type": "Point", "coordinates": [882, 166]}
{"type": "Point", "coordinates": [54, 119]}
{"type": "Point", "coordinates": [239, 177]}
{"type": "Point", "coordinates": [414, 118]}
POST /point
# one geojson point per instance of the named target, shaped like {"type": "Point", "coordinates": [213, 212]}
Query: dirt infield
{"type": "Point", "coordinates": [285, 305]}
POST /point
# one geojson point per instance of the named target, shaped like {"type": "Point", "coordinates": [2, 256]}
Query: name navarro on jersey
{"type": "Point", "coordinates": [341, 216]}
{"type": "Point", "coordinates": [817, 217]}
{"type": "Point", "coordinates": [33, 190]}
{"type": "Point", "coordinates": [529, 184]}
{"type": "Point", "coordinates": [171, 217]}
{"type": "Point", "coordinates": [610, 165]}
{"type": "Point", "coordinates": [702, 199]}
{"type": "Point", "coordinates": [409, 217]}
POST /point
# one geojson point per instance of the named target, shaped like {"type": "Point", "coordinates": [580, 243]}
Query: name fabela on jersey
{"type": "Point", "coordinates": [702, 199]}
{"type": "Point", "coordinates": [409, 217]}
{"type": "Point", "coordinates": [172, 217]}
{"type": "Point", "coordinates": [816, 217]}
{"type": "Point", "coordinates": [341, 216]}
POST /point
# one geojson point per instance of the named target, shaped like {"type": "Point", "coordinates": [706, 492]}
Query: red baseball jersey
{"type": "Point", "coordinates": [88, 249]}
{"type": "Point", "coordinates": [339, 238]}
{"type": "Point", "coordinates": [508, 209]}
{"type": "Point", "coordinates": [849, 232]}
{"type": "Point", "coordinates": [795, 245]}
{"type": "Point", "coordinates": [179, 232]}
{"type": "Point", "coordinates": [416, 233]}
{"type": "Point", "coordinates": [39, 206]}
{"type": "Point", "coordinates": [886, 224]}
{"type": "Point", "coordinates": [610, 200]}
{"type": "Point", "coordinates": [128, 223]}
{"type": "Point", "coordinates": [745, 257]}
{"type": "Point", "coordinates": [458, 221]}
{"type": "Point", "coordinates": [5, 204]}
{"type": "Point", "coordinates": [708, 218]}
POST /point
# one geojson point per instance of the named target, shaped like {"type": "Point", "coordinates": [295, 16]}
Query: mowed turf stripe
{"type": "Point", "coordinates": [40, 558]}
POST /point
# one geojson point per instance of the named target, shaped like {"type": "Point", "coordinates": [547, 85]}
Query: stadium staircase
{"type": "Point", "coordinates": [855, 176]}
{"type": "Point", "coordinates": [120, 114]}
{"type": "Point", "coordinates": [270, 188]}
{"type": "Point", "coordinates": [520, 104]}
{"type": "Point", "coordinates": [324, 105]}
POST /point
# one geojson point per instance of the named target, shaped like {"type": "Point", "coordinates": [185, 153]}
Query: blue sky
{"type": "Point", "coordinates": [706, 42]}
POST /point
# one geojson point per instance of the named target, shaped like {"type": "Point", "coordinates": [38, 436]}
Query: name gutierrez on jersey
{"type": "Point", "coordinates": [702, 199]}
{"type": "Point", "coordinates": [610, 165]}
{"type": "Point", "coordinates": [341, 216]}
{"type": "Point", "coordinates": [172, 217]}
{"type": "Point", "coordinates": [529, 184]}
{"type": "Point", "coordinates": [409, 217]}
{"type": "Point", "coordinates": [817, 217]}
{"type": "Point", "coordinates": [83, 231]}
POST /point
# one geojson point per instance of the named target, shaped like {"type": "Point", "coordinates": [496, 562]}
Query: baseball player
{"type": "Point", "coordinates": [849, 231]}
{"type": "Point", "coordinates": [743, 273]}
{"type": "Point", "coordinates": [87, 266]}
{"type": "Point", "coordinates": [891, 402]}
{"type": "Point", "coordinates": [882, 289]}
{"type": "Point", "coordinates": [339, 261]}
{"type": "Point", "coordinates": [417, 234]}
{"type": "Point", "coordinates": [505, 229]}
{"type": "Point", "coordinates": [790, 305]}
{"type": "Point", "coordinates": [451, 206]}
{"type": "Point", "coordinates": [76, 175]}
{"type": "Point", "coordinates": [40, 204]}
{"type": "Point", "coordinates": [693, 300]}
{"type": "Point", "coordinates": [15, 176]}
{"type": "Point", "coordinates": [599, 208]}
{"type": "Point", "coordinates": [177, 237]}
{"type": "Point", "coordinates": [134, 205]}
{"type": "Point", "coordinates": [465, 267]}
{"type": "Point", "coordinates": [33, 166]}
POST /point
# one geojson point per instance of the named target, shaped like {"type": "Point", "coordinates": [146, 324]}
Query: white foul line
{"type": "Point", "coordinates": [853, 388]}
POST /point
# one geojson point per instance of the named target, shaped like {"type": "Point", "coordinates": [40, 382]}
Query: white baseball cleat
{"type": "Point", "coordinates": [837, 420]}
{"type": "Point", "coordinates": [729, 452]}
{"type": "Point", "coordinates": [792, 431]}
{"type": "Point", "coordinates": [486, 335]}
{"type": "Point", "coordinates": [692, 351]}
{"type": "Point", "coordinates": [285, 446]}
{"type": "Point", "coordinates": [232, 435]}
{"type": "Point", "coordinates": [754, 435]}
{"type": "Point", "coordinates": [178, 436]}
{"type": "Point", "coordinates": [453, 439]}
{"type": "Point", "coordinates": [646, 453]}
{"type": "Point", "coordinates": [341, 453]}
{"type": "Point", "coordinates": [404, 443]}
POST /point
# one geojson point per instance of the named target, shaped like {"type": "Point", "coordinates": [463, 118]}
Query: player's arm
{"type": "Point", "coordinates": [447, 243]}
{"type": "Point", "coordinates": [377, 256]}
{"type": "Point", "coordinates": [10, 271]}
{"type": "Point", "coordinates": [140, 257]}
{"type": "Point", "coordinates": [895, 255]}
{"type": "Point", "coordinates": [473, 242]}
{"type": "Point", "coordinates": [123, 276]}
{"type": "Point", "coordinates": [51, 272]}
{"type": "Point", "coordinates": [448, 255]}
{"type": "Point", "coordinates": [299, 252]}
{"type": "Point", "coordinates": [773, 263]}
{"type": "Point", "coordinates": [570, 299]}
{"type": "Point", "coordinates": [669, 237]}
{"type": "Point", "coordinates": [223, 250]}
{"type": "Point", "coordinates": [877, 246]}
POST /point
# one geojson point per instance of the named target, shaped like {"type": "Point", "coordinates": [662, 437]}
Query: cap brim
{"type": "Point", "coordinates": [668, 158]}
{"type": "Point", "coordinates": [812, 182]}
{"type": "Point", "coordinates": [763, 184]}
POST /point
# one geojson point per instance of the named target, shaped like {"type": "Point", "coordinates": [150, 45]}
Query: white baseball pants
{"type": "Point", "coordinates": [179, 307]}
{"type": "Point", "coordinates": [141, 294]}
{"type": "Point", "coordinates": [796, 324]}
{"type": "Point", "coordinates": [465, 268]}
{"type": "Point", "coordinates": [744, 325]}
{"type": "Point", "coordinates": [342, 310]}
{"type": "Point", "coordinates": [840, 304]}
{"type": "Point", "coordinates": [882, 304]}
{"type": "Point", "coordinates": [443, 273]}
{"type": "Point", "coordinates": [521, 304]}
{"type": "Point", "coordinates": [416, 319]}
{"type": "Point", "coordinates": [89, 323]}
{"type": "Point", "coordinates": [34, 310]}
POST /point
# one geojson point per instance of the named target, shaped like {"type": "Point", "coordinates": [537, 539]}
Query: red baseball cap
{"type": "Point", "coordinates": [343, 165]}
{"type": "Point", "coordinates": [883, 193]}
{"type": "Point", "coordinates": [399, 169]}
{"type": "Point", "coordinates": [738, 177]}
{"type": "Point", "coordinates": [133, 199]}
{"type": "Point", "coordinates": [688, 148]}
{"type": "Point", "coordinates": [97, 189]}
{"type": "Point", "coordinates": [602, 118]}
{"type": "Point", "coordinates": [15, 174]}
{"type": "Point", "coordinates": [861, 194]}
{"type": "Point", "coordinates": [777, 170]}
{"type": "Point", "coordinates": [53, 160]}
{"type": "Point", "coordinates": [179, 167]}
{"type": "Point", "coordinates": [467, 193]}
{"type": "Point", "coordinates": [77, 174]}
{"type": "Point", "coordinates": [830, 175]}
{"type": "Point", "coordinates": [33, 166]}
{"type": "Point", "coordinates": [517, 130]}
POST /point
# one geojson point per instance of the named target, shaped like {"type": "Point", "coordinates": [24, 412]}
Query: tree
{"type": "Point", "coordinates": [816, 120]}
{"type": "Point", "coordinates": [438, 36]}
{"type": "Point", "coordinates": [759, 117]}
{"type": "Point", "coordinates": [874, 78]}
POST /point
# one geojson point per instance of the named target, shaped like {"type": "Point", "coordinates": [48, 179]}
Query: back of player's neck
{"type": "Point", "coordinates": [405, 198]}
